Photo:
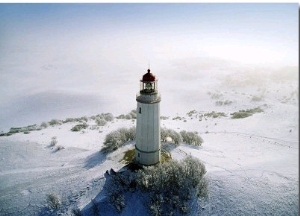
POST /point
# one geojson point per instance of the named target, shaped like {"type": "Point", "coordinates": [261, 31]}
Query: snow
{"type": "Point", "coordinates": [252, 163]}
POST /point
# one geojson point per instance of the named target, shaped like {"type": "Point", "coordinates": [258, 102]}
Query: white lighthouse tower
{"type": "Point", "coordinates": [147, 148]}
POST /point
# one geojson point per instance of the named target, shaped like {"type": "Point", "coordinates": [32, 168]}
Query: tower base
{"type": "Point", "coordinates": [147, 158]}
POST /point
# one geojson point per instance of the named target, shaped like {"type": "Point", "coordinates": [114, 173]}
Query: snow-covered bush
{"type": "Point", "coordinates": [118, 201]}
{"type": "Point", "coordinates": [115, 139]}
{"type": "Point", "coordinates": [100, 121]}
{"type": "Point", "coordinates": [214, 114]}
{"type": "Point", "coordinates": [53, 141]}
{"type": "Point", "coordinates": [79, 127]}
{"type": "Point", "coordinates": [191, 113]}
{"type": "Point", "coordinates": [117, 186]}
{"type": "Point", "coordinates": [172, 184]}
{"type": "Point", "coordinates": [76, 212]}
{"type": "Point", "coordinates": [53, 201]}
{"type": "Point", "coordinates": [220, 103]}
{"type": "Point", "coordinates": [175, 137]}
{"type": "Point", "coordinates": [164, 117]}
{"type": "Point", "coordinates": [69, 120]}
{"type": "Point", "coordinates": [55, 122]}
{"type": "Point", "coordinates": [240, 114]}
{"type": "Point", "coordinates": [108, 116]}
{"type": "Point", "coordinates": [246, 113]}
{"type": "Point", "coordinates": [127, 116]}
{"type": "Point", "coordinates": [44, 125]}
{"type": "Point", "coordinates": [178, 118]}
{"type": "Point", "coordinates": [122, 116]}
{"type": "Point", "coordinates": [84, 118]}
{"type": "Point", "coordinates": [130, 115]}
{"type": "Point", "coordinates": [155, 208]}
{"type": "Point", "coordinates": [129, 133]}
{"type": "Point", "coordinates": [168, 187]}
{"type": "Point", "coordinates": [191, 138]}
{"type": "Point", "coordinates": [58, 148]}
{"type": "Point", "coordinates": [216, 95]}
{"type": "Point", "coordinates": [133, 114]}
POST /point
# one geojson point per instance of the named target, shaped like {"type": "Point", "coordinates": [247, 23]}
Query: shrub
{"type": "Point", "coordinates": [220, 103]}
{"type": "Point", "coordinates": [118, 201]}
{"type": "Point", "coordinates": [14, 130]}
{"type": "Point", "coordinates": [130, 133]}
{"type": "Point", "coordinates": [116, 186]}
{"type": "Point", "coordinates": [133, 114]}
{"type": "Point", "coordinates": [177, 118]}
{"type": "Point", "coordinates": [191, 113]}
{"type": "Point", "coordinates": [169, 133]}
{"type": "Point", "coordinates": [53, 201]}
{"type": "Point", "coordinates": [246, 113]}
{"type": "Point", "coordinates": [53, 141]}
{"type": "Point", "coordinates": [79, 127]}
{"type": "Point", "coordinates": [54, 122]}
{"type": "Point", "coordinates": [227, 102]}
{"type": "Point", "coordinates": [76, 212]}
{"type": "Point", "coordinates": [84, 118]}
{"type": "Point", "coordinates": [122, 116]}
{"type": "Point", "coordinates": [214, 114]}
{"type": "Point", "coordinates": [240, 114]}
{"type": "Point", "coordinates": [44, 125]}
{"type": "Point", "coordinates": [168, 187]}
{"type": "Point", "coordinates": [25, 130]}
{"type": "Point", "coordinates": [59, 148]}
{"type": "Point", "coordinates": [216, 96]}
{"type": "Point", "coordinates": [108, 116]}
{"type": "Point", "coordinates": [130, 115]}
{"type": "Point", "coordinates": [69, 120]}
{"type": "Point", "coordinates": [119, 137]}
{"type": "Point", "coordinates": [255, 110]}
{"type": "Point", "coordinates": [257, 98]}
{"type": "Point", "coordinates": [164, 118]}
{"type": "Point", "coordinates": [191, 138]}
{"type": "Point", "coordinates": [100, 121]}
{"type": "Point", "coordinates": [115, 139]}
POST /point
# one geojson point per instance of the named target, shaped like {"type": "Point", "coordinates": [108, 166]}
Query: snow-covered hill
{"type": "Point", "coordinates": [252, 163]}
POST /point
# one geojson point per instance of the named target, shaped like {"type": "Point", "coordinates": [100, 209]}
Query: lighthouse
{"type": "Point", "coordinates": [148, 146]}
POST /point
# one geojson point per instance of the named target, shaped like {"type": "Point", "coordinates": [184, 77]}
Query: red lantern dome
{"type": "Point", "coordinates": [148, 77]}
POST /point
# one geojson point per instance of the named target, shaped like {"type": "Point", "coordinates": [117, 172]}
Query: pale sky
{"type": "Point", "coordinates": [250, 33]}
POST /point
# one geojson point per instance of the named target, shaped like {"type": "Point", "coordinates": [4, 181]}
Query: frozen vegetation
{"type": "Point", "coordinates": [232, 151]}
{"type": "Point", "coordinates": [166, 188]}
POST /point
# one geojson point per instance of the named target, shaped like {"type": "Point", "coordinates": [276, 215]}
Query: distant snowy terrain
{"type": "Point", "coordinates": [252, 163]}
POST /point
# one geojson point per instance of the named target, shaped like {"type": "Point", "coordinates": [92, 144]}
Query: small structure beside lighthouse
{"type": "Point", "coordinates": [148, 146]}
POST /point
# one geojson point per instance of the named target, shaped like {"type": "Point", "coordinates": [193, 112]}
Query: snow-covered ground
{"type": "Point", "coordinates": [252, 163]}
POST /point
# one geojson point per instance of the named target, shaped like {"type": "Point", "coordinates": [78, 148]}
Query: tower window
{"type": "Point", "coordinates": [140, 110]}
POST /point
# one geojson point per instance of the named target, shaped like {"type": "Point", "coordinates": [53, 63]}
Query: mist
{"type": "Point", "coordinates": [64, 60]}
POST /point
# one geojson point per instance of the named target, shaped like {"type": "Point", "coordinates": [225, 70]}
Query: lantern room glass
{"type": "Point", "coordinates": [148, 87]}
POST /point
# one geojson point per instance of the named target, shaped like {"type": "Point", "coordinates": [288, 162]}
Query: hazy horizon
{"type": "Point", "coordinates": [59, 59]}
